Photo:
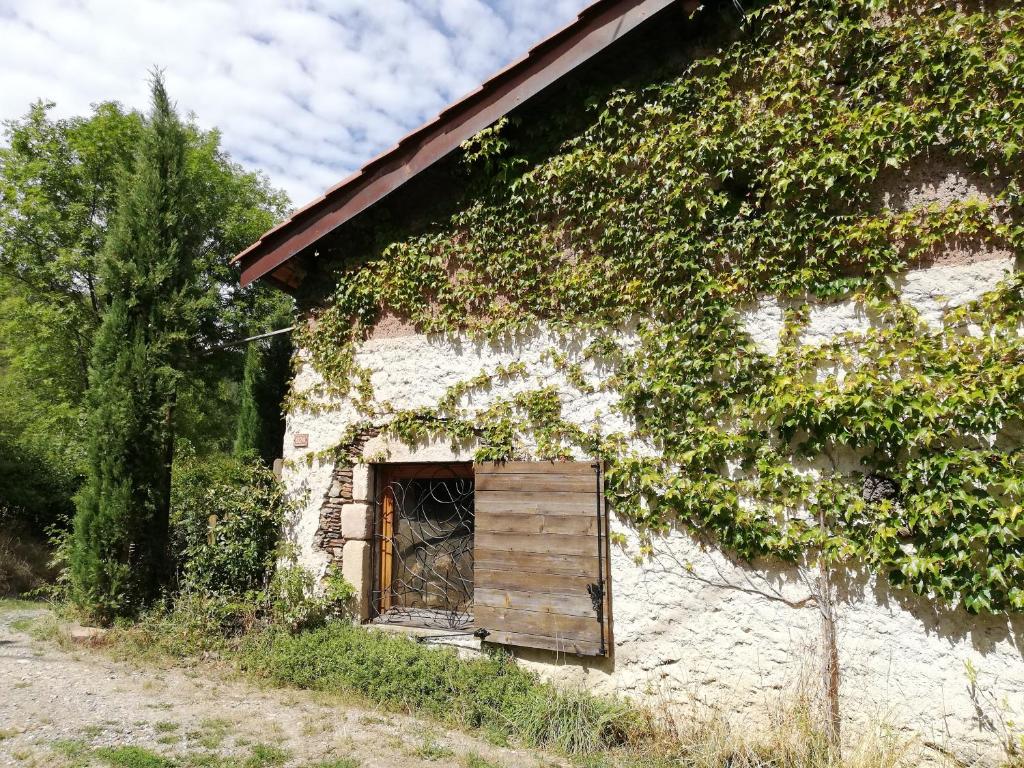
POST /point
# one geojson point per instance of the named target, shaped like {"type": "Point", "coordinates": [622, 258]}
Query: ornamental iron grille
{"type": "Point", "coordinates": [424, 545]}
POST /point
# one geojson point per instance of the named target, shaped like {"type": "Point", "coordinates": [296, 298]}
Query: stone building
{"type": "Point", "coordinates": [528, 553]}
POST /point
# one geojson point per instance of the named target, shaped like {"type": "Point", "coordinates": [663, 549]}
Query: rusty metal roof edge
{"type": "Point", "coordinates": [462, 104]}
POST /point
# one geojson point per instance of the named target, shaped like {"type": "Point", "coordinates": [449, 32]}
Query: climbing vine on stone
{"type": "Point", "coordinates": [755, 172]}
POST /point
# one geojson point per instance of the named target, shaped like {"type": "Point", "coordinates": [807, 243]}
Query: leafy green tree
{"type": "Point", "coordinates": [156, 301]}
{"type": "Point", "coordinates": [58, 196]}
{"type": "Point", "coordinates": [260, 429]}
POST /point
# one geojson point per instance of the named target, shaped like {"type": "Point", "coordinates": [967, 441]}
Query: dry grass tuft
{"type": "Point", "coordinates": [794, 738]}
{"type": "Point", "coordinates": [24, 563]}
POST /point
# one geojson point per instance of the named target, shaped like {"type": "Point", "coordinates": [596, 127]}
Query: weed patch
{"type": "Point", "coordinates": [473, 760]}
{"type": "Point", "coordinates": [265, 756]}
{"type": "Point", "coordinates": [131, 757]}
{"type": "Point", "coordinates": [431, 750]}
{"type": "Point", "coordinates": [70, 747]}
{"type": "Point", "coordinates": [490, 692]}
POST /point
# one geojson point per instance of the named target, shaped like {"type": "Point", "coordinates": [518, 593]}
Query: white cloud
{"type": "Point", "coordinates": [306, 90]}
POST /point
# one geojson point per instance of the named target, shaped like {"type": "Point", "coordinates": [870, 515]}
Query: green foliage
{"type": "Point", "coordinates": [431, 750]}
{"type": "Point", "coordinates": [36, 485]}
{"type": "Point", "coordinates": [131, 757]}
{"type": "Point", "coordinates": [266, 755]}
{"type": "Point", "coordinates": [260, 428]}
{"type": "Point", "coordinates": [293, 600]}
{"type": "Point", "coordinates": [756, 171]}
{"type": "Point", "coordinates": [119, 559]}
{"type": "Point", "coordinates": [473, 760]}
{"type": "Point", "coordinates": [226, 518]}
{"type": "Point", "coordinates": [200, 620]}
{"type": "Point", "coordinates": [489, 692]}
{"type": "Point", "coordinates": [59, 182]}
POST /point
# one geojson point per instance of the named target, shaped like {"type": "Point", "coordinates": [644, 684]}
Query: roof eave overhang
{"type": "Point", "coordinates": [597, 27]}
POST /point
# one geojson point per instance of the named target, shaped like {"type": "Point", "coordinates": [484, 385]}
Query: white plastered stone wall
{"type": "Point", "coordinates": [691, 626]}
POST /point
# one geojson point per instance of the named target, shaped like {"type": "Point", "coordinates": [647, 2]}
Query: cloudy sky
{"type": "Point", "coordinates": [306, 90]}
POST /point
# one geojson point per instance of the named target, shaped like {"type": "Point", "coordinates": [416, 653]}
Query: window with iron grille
{"type": "Point", "coordinates": [516, 552]}
{"type": "Point", "coordinates": [424, 545]}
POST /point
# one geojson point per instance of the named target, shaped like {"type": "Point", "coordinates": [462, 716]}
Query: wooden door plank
{"type": "Point", "coordinates": [573, 565]}
{"type": "Point", "coordinates": [536, 546]}
{"type": "Point", "coordinates": [549, 543]}
{"type": "Point", "coordinates": [539, 524]}
{"type": "Point", "coordinates": [386, 555]}
{"type": "Point", "coordinates": [536, 468]}
{"type": "Point", "coordinates": [529, 503]}
{"type": "Point", "coordinates": [557, 644]}
{"type": "Point", "coordinates": [548, 482]}
{"type": "Point", "coordinates": [536, 623]}
{"type": "Point", "coordinates": [541, 583]}
{"type": "Point", "coordinates": [578, 604]}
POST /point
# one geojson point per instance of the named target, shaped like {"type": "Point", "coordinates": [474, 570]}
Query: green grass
{"type": "Point", "coordinates": [504, 703]}
{"type": "Point", "coordinates": [473, 760]}
{"type": "Point", "coordinates": [265, 756]}
{"type": "Point", "coordinates": [9, 604]}
{"type": "Point", "coordinates": [78, 754]}
{"type": "Point", "coordinates": [7, 733]}
{"type": "Point", "coordinates": [70, 747]}
{"type": "Point", "coordinates": [75, 752]}
{"type": "Point", "coordinates": [131, 757]}
{"type": "Point", "coordinates": [491, 693]}
{"type": "Point", "coordinates": [211, 733]}
{"type": "Point", "coordinates": [341, 762]}
{"type": "Point", "coordinates": [165, 726]}
{"type": "Point", "coordinates": [431, 750]}
{"type": "Point", "coordinates": [22, 624]}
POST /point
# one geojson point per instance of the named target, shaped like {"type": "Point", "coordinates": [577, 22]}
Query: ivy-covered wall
{"type": "Point", "coordinates": [760, 170]}
{"type": "Point", "coordinates": [740, 263]}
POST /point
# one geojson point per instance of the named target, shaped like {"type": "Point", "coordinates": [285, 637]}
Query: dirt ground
{"type": "Point", "coordinates": [68, 708]}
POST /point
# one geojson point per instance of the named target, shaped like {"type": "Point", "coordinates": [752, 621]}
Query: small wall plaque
{"type": "Point", "coordinates": [301, 440]}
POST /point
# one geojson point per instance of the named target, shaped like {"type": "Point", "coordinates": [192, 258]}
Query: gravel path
{"type": "Point", "coordinates": [62, 707]}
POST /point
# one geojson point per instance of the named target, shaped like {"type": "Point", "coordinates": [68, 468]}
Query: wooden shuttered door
{"type": "Point", "coordinates": [540, 556]}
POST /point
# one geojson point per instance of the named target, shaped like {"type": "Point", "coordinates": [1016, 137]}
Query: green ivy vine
{"type": "Point", "coordinates": [754, 172]}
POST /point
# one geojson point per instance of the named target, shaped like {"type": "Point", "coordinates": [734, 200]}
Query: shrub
{"type": "Point", "coordinates": [196, 622]}
{"type": "Point", "coordinates": [293, 601]}
{"type": "Point", "coordinates": [226, 517]}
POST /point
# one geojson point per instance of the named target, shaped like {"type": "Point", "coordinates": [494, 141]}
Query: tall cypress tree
{"type": "Point", "coordinates": [119, 557]}
{"type": "Point", "coordinates": [260, 429]}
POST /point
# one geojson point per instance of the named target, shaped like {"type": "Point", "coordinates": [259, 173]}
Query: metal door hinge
{"type": "Point", "coordinates": [596, 592]}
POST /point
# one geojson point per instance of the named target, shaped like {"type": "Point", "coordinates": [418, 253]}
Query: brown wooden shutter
{"type": "Point", "coordinates": [540, 556]}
